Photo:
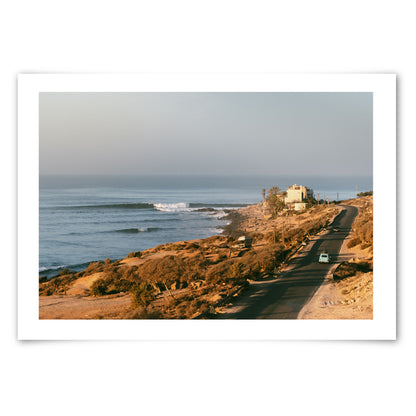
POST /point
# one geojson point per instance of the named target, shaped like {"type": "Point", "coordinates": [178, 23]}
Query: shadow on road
{"type": "Point", "coordinates": [284, 297]}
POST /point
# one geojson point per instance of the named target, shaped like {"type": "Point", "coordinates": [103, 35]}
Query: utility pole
{"type": "Point", "coordinates": [318, 198]}
{"type": "Point", "coordinates": [356, 191]}
{"type": "Point", "coordinates": [337, 196]}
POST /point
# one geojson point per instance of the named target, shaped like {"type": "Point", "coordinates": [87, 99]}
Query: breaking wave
{"type": "Point", "coordinates": [167, 207]}
{"type": "Point", "coordinates": [135, 205]}
{"type": "Point", "coordinates": [198, 207]}
{"type": "Point", "coordinates": [219, 214]}
{"type": "Point", "coordinates": [208, 205]}
{"type": "Point", "coordinates": [54, 270]}
{"type": "Point", "coordinates": [47, 269]}
{"type": "Point", "coordinates": [138, 230]}
{"type": "Point", "coordinates": [178, 207]}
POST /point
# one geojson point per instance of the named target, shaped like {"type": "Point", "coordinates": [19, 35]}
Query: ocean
{"type": "Point", "coordinates": [90, 218]}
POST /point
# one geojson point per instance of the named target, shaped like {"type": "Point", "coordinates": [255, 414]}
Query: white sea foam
{"type": "Point", "coordinates": [219, 214]}
{"type": "Point", "coordinates": [42, 269]}
{"type": "Point", "coordinates": [176, 207]}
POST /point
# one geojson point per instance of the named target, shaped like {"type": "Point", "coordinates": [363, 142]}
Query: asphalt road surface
{"type": "Point", "coordinates": [283, 297]}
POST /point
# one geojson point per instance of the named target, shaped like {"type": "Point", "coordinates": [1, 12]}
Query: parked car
{"type": "Point", "coordinates": [324, 257]}
{"type": "Point", "coordinates": [244, 242]}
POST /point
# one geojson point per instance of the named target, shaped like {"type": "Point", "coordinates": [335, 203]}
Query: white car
{"type": "Point", "coordinates": [324, 258]}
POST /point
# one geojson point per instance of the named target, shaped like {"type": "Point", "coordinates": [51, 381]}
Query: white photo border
{"type": "Point", "coordinates": [383, 324]}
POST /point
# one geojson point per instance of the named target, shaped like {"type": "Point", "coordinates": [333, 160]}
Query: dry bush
{"type": "Point", "coordinates": [348, 269]}
{"type": "Point", "coordinates": [99, 287]}
{"type": "Point", "coordinates": [196, 306]}
{"type": "Point", "coordinates": [94, 267]}
{"type": "Point", "coordinates": [216, 273]}
{"type": "Point", "coordinates": [250, 266]}
{"type": "Point", "coordinates": [119, 285]}
{"type": "Point", "coordinates": [265, 260]}
{"type": "Point", "coordinates": [176, 270]}
{"type": "Point", "coordinates": [313, 226]}
{"type": "Point", "coordinates": [184, 308]}
{"type": "Point", "coordinates": [57, 285]}
{"type": "Point", "coordinates": [229, 271]}
{"type": "Point", "coordinates": [119, 279]}
{"type": "Point", "coordinates": [130, 274]}
{"type": "Point", "coordinates": [191, 246]}
{"type": "Point", "coordinates": [142, 294]}
{"type": "Point", "coordinates": [134, 254]}
{"type": "Point", "coordinates": [176, 246]}
{"type": "Point", "coordinates": [363, 227]}
{"type": "Point", "coordinates": [256, 237]}
{"type": "Point", "coordinates": [114, 280]}
{"type": "Point", "coordinates": [144, 313]}
{"type": "Point", "coordinates": [353, 242]}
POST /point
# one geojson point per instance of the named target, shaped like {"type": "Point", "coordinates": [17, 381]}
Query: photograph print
{"type": "Point", "coordinates": [205, 205]}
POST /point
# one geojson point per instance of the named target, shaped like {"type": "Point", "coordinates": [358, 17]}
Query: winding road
{"type": "Point", "coordinates": [283, 297]}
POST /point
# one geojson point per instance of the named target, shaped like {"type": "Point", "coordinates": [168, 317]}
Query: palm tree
{"type": "Point", "coordinates": [274, 190]}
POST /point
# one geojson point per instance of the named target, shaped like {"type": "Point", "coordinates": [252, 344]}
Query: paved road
{"type": "Point", "coordinates": [284, 297]}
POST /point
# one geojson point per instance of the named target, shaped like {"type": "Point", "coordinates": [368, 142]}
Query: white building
{"type": "Point", "coordinates": [297, 193]}
{"type": "Point", "coordinates": [300, 206]}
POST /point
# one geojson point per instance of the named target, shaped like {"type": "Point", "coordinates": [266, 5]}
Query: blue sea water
{"type": "Point", "coordinates": [89, 218]}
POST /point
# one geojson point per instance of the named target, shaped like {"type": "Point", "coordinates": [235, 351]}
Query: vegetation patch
{"type": "Point", "coordinates": [348, 269]}
{"type": "Point", "coordinates": [57, 285]}
{"type": "Point", "coordinates": [133, 254]}
{"type": "Point", "coordinates": [362, 229]}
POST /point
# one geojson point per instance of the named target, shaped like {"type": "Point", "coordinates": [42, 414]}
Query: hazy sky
{"type": "Point", "coordinates": [191, 133]}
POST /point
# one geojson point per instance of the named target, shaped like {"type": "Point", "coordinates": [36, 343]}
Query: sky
{"type": "Point", "coordinates": [206, 133]}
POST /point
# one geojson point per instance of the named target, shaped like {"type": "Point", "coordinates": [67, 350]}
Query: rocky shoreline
{"type": "Point", "coordinates": [233, 228]}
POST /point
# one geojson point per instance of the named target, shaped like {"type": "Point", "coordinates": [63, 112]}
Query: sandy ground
{"type": "Point", "coordinates": [76, 307]}
{"type": "Point", "coordinates": [82, 286]}
{"type": "Point", "coordinates": [253, 220]}
{"type": "Point", "coordinates": [351, 298]}
{"type": "Point", "coordinates": [78, 304]}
